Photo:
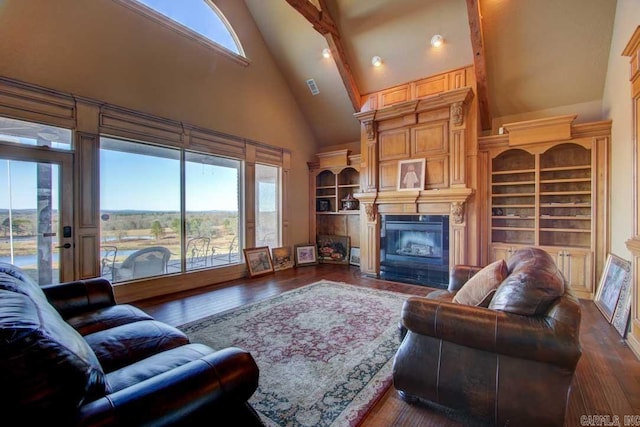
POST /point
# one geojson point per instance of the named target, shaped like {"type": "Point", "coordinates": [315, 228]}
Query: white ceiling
{"type": "Point", "coordinates": [539, 54]}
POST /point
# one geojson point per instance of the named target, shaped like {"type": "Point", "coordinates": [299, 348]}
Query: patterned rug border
{"type": "Point", "coordinates": [286, 294]}
{"type": "Point", "coordinates": [377, 385]}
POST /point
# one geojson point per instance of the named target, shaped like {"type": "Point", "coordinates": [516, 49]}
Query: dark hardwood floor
{"type": "Point", "coordinates": [607, 380]}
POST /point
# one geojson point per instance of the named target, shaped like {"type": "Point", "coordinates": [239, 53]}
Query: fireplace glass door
{"type": "Point", "coordinates": [415, 249]}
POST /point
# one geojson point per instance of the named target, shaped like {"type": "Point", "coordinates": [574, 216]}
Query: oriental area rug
{"type": "Point", "coordinates": [325, 351]}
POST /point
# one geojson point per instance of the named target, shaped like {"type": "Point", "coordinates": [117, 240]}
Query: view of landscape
{"type": "Point", "coordinates": [127, 230]}
{"type": "Point", "coordinates": [134, 230]}
{"type": "Point", "coordinates": [149, 197]}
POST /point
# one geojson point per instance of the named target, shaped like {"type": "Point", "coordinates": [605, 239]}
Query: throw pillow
{"type": "Point", "coordinates": [480, 288]}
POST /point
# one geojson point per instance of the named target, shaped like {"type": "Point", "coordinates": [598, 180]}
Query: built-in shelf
{"type": "Point", "coordinates": [333, 179]}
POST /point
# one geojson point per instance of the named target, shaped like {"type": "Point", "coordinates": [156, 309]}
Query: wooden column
{"type": "Point", "coordinates": [87, 194]}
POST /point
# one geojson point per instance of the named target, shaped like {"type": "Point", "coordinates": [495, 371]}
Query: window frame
{"type": "Point", "coordinates": [182, 159]}
{"type": "Point", "coordinates": [278, 202]}
{"type": "Point", "coordinates": [97, 118]}
{"type": "Point", "coordinates": [158, 17]}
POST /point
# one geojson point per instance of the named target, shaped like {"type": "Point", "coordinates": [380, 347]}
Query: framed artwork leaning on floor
{"type": "Point", "coordinates": [354, 257]}
{"type": "Point", "coordinates": [282, 258]}
{"type": "Point", "coordinates": [258, 261]}
{"type": "Point", "coordinates": [333, 249]}
{"type": "Point", "coordinates": [616, 272]}
{"type": "Point", "coordinates": [306, 255]}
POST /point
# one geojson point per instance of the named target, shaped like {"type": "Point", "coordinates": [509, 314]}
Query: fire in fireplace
{"type": "Point", "coordinates": [415, 249]}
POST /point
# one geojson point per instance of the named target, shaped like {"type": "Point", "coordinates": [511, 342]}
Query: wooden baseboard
{"type": "Point", "coordinates": [634, 345]}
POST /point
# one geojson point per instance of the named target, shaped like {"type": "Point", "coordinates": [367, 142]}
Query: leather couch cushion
{"type": "Point", "coordinates": [155, 365]}
{"type": "Point", "coordinates": [533, 284]}
{"type": "Point", "coordinates": [15, 280]}
{"type": "Point", "coordinates": [40, 351]}
{"type": "Point", "coordinates": [18, 273]}
{"type": "Point", "coordinates": [480, 288]}
{"type": "Point", "coordinates": [106, 318]}
{"type": "Point", "coordinates": [132, 342]}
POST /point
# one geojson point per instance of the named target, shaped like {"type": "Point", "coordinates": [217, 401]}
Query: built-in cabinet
{"type": "Point", "coordinates": [632, 50]}
{"type": "Point", "coordinates": [332, 179]}
{"type": "Point", "coordinates": [547, 188]}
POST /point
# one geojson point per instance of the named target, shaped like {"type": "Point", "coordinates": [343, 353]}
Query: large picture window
{"type": "Point", "coordinates": [139, 207]}
{"type": "Point", "coordinates": [144, 230]}
{"type": "Point", "coordinates": [212, 210]}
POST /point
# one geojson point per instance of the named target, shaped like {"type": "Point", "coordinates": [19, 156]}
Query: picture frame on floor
{"type": "Point", "coordinates": [333, 249]}
{"type": "Point", "coordinates": [616, 272]}
{"type": "Point", "coordinates": [621, 314]}
{"type": "Point", "coordinates": [282, 258]}
{"type": "Point", "coordinates": [354, 257]}
{"type": "Point", "coordinates": [258, 261]}
{"type": "Point", "coordinates": [306, 255]}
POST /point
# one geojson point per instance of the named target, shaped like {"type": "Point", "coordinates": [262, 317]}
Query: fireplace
{"type": "Point", "coordinates": [415, 249]}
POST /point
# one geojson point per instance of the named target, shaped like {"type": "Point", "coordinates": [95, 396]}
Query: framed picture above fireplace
{"type": "Point", "coordinates": [411, 174]}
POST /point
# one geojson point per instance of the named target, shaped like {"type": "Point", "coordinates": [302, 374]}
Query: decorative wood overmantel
{"type": "Point", "coordinates": [455, 99]}
{"type": "Point", "coordinates": [436, 128]}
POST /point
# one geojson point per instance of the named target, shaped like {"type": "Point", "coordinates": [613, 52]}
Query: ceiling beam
{"type": "Point", "coordinates": [477, 44]}
{"type": "Point", "coordinates": [324, 24]}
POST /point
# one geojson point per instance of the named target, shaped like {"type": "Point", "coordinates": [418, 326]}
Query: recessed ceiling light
{"type": "Point", "coordinates": [376, 61]}
{"type": "Point", "coordinates": [326, 52]}
{"type": "Point", "coordinates": [437, 40]}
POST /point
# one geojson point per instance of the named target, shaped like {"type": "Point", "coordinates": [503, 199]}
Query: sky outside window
{"type": "Point", "coordinates": [144, 177]}
{"type": "Point", "coordinates": [24, 185]}
{"type": "Point", "coordinates": [198, 16]}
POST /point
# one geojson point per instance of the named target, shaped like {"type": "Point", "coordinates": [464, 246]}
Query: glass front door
{"type": "Point", "coordinates": [36, 191]}
{"type": "Point", "coordinates": [31, 226]}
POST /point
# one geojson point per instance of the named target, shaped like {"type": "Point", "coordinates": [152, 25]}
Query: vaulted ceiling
{"type": "Point", "coordinates": [533, 54]}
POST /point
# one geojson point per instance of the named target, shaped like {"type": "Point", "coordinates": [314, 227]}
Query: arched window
{"type": "Point", "coordinates": [201, 17]}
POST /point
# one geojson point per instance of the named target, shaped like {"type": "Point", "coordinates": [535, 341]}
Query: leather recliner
{"type": "Point", "coordinates": [488, 362]}
{"type": "Point", "coordinates": [69, 355]}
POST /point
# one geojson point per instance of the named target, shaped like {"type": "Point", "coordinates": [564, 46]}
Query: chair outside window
{"type": "Point", "coordinates": [196, 253]}
{"type": "Point", "coordinates": [224, 256]}
{"type": "Point", "coordinates": [151, 261]}
{"type": "Point", "coordinates": [107, 262]}
{"type": "Point", "coordinates": [267, 239]}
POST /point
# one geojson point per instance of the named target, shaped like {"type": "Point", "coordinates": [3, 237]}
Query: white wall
{"type": "Point", "coordinates": [616, 106]}
{"type": "Point", "coordinates": [105, 51]}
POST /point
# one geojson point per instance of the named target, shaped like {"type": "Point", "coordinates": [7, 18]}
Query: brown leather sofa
{"type": "Point", "coordinates": [69, 355]}
{"type": "Point", "coordinates": [489, 363]}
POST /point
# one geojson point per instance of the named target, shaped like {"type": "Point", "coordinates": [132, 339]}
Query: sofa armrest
{"type": "Point", "coordinates": [73, 298]}
{"type": "Point", "coordinates": [226, 377]}
{"type": "Point", "coordinates": [538, 338]}
{"type": "Point", "coordinates": [460, 274]}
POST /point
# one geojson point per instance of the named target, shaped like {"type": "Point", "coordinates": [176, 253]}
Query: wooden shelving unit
{"type": "Point", "coordinates": [549, 194]}
{"type": "Point", "coordinates": [513, 198]}
{"type": "Point", "coordinates": [331, 179]}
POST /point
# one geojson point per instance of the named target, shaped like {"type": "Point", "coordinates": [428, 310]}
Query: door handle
{"type": "Point", "coordinates": [65, 246]}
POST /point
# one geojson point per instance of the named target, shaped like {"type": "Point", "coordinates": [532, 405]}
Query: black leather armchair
{"type": "Point", "coordinates": [70, 354]}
